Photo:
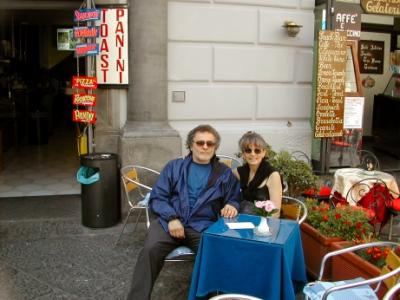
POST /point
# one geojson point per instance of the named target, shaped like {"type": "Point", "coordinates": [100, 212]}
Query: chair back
{"type": "Point", "coordinates": [392, 292]}
{"type": "Point", "coordinates": [137, 178]}
{"type": "Point", "coordinates": [230, 161]}
{"type": "Point", "coordinates": [358, 283]}
{"type": "Point", "coordinates": [392, 262]}
{"type": "Point", "coordinates": [368, 160]}
{"type": "Point", "coordinates": [371, 193]}
{"type": "Point", "coordinates": [300, 155]}
{"type": "Point", "coordinates": [294, 209]}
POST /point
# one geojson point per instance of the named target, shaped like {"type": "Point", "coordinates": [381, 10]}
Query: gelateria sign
{"type": "Point", "coordinates": [382, 7]}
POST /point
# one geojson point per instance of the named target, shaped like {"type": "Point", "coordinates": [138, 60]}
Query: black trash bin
{"type": "Point", "coordinates": [99, 178]}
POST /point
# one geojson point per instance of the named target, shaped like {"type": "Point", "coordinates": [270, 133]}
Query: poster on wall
{"type": "Point", "coordinates": [112, 60]}
{"type": "Point", "coordinates": [65, 39]}
{"type": "Point", "coordinates": [371, 56]}
{"type": "Point", "coordinates": [353, 112]}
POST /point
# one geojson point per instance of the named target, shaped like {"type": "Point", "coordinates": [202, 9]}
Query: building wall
{"type": "Point", "coordinates": [232, 64]}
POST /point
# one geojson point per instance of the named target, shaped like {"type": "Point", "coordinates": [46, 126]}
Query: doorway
{"type": "Point", "coordinates": [38, 149]}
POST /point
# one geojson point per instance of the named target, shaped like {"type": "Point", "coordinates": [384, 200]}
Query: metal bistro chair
{"type": "Point", "coordinates": [389, 295]}
{"type": "Point", "coordinates": [230, 161]}
{"type": "Point", "coordinates": [293, 209]}
{"type": "Point", "coordinates": [368, 160]}
{"type": "Point", "coordinates": [335, 290]}
{"type": "Point", "coordinates": [133, 177]}
{"type": "Point", "coordinates": [300, 155]}
{"type": "Point", "coordinates": [373, 193]}
{"type": "Point", "coordinates": [136, 192]}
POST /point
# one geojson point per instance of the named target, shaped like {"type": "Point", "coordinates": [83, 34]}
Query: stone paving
{"type": "Point", "coordinates": [45, 253]}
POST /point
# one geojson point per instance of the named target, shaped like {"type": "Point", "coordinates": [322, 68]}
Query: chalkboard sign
{"type": "Point", "coordinates": [331, 79]}
{"type": "Point", "coordinates": [371, 57]}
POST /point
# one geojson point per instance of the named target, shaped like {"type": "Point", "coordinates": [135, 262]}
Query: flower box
{"type": "Point", "coordinates": [350, 265]}
{"type": "Point", "coordinates": [315, 246]}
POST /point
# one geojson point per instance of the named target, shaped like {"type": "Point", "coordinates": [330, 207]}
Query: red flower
{"type": "Point", "coordinates": [338, 216]}
{"type": "Point", "coordinates": [325, 218]}
{"type": "Point", "coordinates": [309, 192]}
{"type": "Point", "coordinates": [324, 190]}
{"type": "Point", "coordinates": [358, 225]}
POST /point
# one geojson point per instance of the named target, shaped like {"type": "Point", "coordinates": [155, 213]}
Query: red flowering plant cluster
{"type": "Point", "coordinates": [347, 222]}
{"type": "Point", "coordinates": [375, 255]}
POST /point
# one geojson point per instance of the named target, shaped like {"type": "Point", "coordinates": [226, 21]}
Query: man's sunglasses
{"type": "Point", "coordinates": [256, 151]}
{"type": "Point", "coordinates": [202, 143]}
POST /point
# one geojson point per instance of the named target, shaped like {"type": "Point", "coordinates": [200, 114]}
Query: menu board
{"type": "Point", "coordinates": [331, 79]}
{"type": "Point", "coordinates": [371, 57]}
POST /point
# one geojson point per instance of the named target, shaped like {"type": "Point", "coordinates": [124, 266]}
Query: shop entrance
{"type": "Point", "coordinates": [38, 149]}
{"type": "Point", "coordinates": [379, 134]}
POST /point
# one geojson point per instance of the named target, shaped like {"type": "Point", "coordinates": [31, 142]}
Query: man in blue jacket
{"type": "Point", "coordinates": [188, 197]}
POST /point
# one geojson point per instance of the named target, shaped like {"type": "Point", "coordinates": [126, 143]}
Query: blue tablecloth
{"type": "Point", "coordinates": [237, 261]}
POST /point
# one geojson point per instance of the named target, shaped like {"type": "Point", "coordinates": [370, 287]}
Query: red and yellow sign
{"type": "Point", "coordinates": [84, 116]}
{"type": "Point", "coordinates": [84, 82]}
{"type": "Point", "coordinates": [84, 99]}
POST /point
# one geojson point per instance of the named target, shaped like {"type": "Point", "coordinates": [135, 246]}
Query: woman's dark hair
{"type": "Point", "coordinates": [252, 138]}
{"type": "Point", "coordinates": [203, 128]}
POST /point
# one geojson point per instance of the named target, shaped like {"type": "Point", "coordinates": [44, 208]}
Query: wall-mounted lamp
{"type": "Point", "coordinates": [292, 28]}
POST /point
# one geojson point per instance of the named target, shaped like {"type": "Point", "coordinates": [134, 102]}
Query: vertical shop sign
{"type": "Point", "coordinates": [331, 79]}
{"type": "Point", "coordinates": [112, 61]}
{"type": "Point", "coordinates": [348, 19]}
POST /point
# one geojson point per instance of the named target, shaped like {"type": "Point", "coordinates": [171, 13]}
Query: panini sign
{"type": "Point", "coordinates": [382, 7]}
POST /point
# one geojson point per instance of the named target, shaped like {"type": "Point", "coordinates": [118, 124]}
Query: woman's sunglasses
{"type": "Point", "coordinates": [256, 151]}
{"type": "Point", "coordinates": [202, 143]}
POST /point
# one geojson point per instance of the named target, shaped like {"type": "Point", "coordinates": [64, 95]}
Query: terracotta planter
{"type": "Point", "coordinates": [315, 246]}
{"type": "Point", "coordinates": [350, 265]}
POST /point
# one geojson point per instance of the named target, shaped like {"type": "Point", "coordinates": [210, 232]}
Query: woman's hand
{"type": "Point", "coordinates": [229, 211]}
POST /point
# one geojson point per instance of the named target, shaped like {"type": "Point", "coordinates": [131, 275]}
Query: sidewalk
{"type": "Point", "coordinates": [45, 253]}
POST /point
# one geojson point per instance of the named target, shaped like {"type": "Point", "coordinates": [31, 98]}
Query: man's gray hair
{"type": "Point", "coordinates": [203, 128]}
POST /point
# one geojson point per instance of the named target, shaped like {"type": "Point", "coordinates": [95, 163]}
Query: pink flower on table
{"type": "Point", "coordinates": [269, 206]}
{"type": "Point", "coordinates": [265, 208]}
{"type": "Point", "coordinates": [260, 204]}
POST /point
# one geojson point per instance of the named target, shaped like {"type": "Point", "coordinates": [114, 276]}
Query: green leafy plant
{"type": "Point", "coordinates": [347, 222]}
{"type": "Point", "coordinates": [296, 173]}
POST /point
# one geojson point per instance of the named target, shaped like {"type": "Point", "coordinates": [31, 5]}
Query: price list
{"type": "Point", "coordinates": [331, 78]}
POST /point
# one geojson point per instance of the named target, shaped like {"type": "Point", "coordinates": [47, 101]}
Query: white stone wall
{"type": "Point", "coordinates": [240, 71]}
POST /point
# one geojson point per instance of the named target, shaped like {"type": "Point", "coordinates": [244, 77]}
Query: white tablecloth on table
{"type": "Point", "coordinates": [345, 178]}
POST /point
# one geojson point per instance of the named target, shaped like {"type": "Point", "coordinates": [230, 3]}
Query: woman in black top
{"type": "Point", "coordinates": [258, 179]}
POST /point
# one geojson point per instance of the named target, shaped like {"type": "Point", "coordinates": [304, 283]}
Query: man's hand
{"type": "Point", "coordinates": [229, 211]}
{"type": "Point", "coordinates": [176, 229]}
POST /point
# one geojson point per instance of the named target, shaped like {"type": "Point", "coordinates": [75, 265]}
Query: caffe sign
{"type": "Point", "coordinates": [382, 7]}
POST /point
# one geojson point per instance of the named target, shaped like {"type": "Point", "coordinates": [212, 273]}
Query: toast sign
{"type": "Point", "coordinates": [112, 61]}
